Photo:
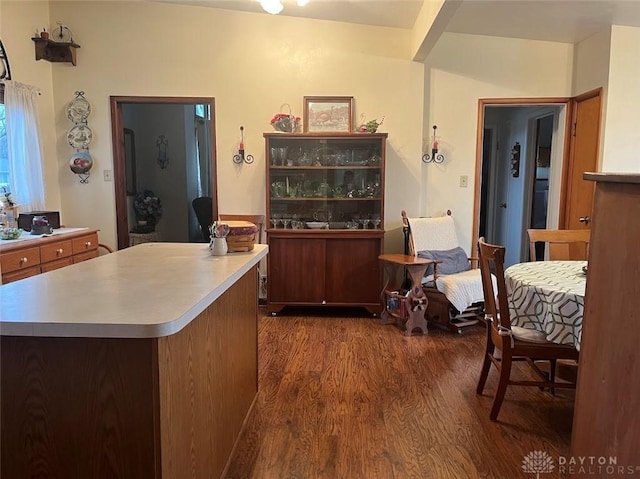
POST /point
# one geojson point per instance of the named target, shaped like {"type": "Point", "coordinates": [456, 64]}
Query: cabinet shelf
{"type": "Point", "coordinates": [55, 51]}
{"type": "Point", "coordinates": [319, 168]}
{"type": "Point", "coordinates": [324, 198]}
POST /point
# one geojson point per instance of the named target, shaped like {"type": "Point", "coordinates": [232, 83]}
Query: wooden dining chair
{"type": "Point", "coordinates": [562, 244]}
{"type": "Point", "coordinates": [507, 343]}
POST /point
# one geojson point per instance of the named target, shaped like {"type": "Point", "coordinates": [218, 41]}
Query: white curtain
{"type": "Point", "coordinates": [23, 143]}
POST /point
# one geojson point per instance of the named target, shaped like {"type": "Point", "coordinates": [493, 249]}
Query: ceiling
{"type": "Point", "coordinates": [567, 21]}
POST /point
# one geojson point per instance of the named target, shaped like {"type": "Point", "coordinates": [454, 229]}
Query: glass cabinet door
{"type": "Point", "coordinates": [325, 181]}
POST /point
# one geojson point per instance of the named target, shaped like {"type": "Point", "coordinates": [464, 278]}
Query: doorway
{"type": "Point", "coordinates": [510, 188]}
{"type": "Point", "coordinates": [165, 145]}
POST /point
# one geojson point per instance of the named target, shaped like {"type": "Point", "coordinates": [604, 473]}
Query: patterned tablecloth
{"type": "Point", "coordinates": [548, 296]}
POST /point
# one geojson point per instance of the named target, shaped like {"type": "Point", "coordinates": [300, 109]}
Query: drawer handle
{"type": "Point", "coordinates": [23, 260]}
{"type": "Point", "coordinates": [59, 250]}
{"type": "Point", "coordinates": [88, 243]}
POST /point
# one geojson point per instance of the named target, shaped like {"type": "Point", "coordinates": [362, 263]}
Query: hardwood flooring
{"type": "Point", "coordinates": [345, 397]}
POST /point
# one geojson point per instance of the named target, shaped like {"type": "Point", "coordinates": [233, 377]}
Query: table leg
{"type": "Point", "coordinates": [385, 317]}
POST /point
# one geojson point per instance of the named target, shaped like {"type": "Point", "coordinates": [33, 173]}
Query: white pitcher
{"type": "Point", "coordinates": [218, 246]}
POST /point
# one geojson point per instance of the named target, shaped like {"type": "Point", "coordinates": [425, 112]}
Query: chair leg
{"type": "Point", "coordinates": [484, 372]}
{"type": "Point", "coordinates": [505, 374]}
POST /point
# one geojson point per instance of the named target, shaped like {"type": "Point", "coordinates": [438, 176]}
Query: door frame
{"type": "Point", "coordinates": [119, 170]}
{"type": "Point", "coordinates": [485, 102]}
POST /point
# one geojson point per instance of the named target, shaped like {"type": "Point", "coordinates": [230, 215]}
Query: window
{"type": "Point", "coordinates": [4, 156]}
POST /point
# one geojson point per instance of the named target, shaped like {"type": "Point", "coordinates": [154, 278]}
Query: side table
{"type": "Point", "coordinates": [137, 238]}
{"type": "Point", "coordinates": [410, 306]}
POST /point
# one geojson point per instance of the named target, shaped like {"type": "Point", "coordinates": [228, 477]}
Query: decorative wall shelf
{"type": "Point", "coordinates": [55, 51]}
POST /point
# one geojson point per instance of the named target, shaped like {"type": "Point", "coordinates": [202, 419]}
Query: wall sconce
{"type": "Point", "coordinates": [515, 160]}
{"type": "Point", "coordinates": [239, 157]}
{"type": "Point", "coordinates": [163, 147]}
{"type": "Point", "coordinates": [434, 157]}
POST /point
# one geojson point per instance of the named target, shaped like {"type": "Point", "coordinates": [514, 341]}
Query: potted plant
{"type": "Point", "coordinates": [148, 209]}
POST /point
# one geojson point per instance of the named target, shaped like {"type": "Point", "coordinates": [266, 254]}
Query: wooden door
{"type": "Point", "coordinates": [583, 157]}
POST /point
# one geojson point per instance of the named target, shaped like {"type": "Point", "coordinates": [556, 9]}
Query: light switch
{"type": "Point", "coordinates": [464, 181]}
{"type": "Point", "coordinates": [107, 175]}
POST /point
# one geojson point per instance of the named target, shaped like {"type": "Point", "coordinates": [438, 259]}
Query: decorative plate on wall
{"type": "Point", "coordinates": [78, 109]}
{"type": "Point", "coordinates": [80, 136]}
{"type": "Point", "coordinates": [81, 163]}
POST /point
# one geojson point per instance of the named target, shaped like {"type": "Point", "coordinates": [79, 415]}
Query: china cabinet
{"type": "Point", "coordinates": [325, 211]}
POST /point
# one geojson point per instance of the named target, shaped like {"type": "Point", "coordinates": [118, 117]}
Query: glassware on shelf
{"type": "Point", "coordinates": [278, 189]}
{"type": "Point", "coordinates": [274, 221]}
{"type": "Point", "coordinates": [375, 221]}
{"type": "Point", "coordinates": [286, 222]}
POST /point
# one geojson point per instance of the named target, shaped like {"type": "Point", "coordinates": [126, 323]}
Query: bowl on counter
{"type": "Point", "coordinates": [10, 233]}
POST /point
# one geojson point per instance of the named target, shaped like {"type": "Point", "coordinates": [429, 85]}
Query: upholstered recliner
{"type": "Point", "coordinates": [454, 286]}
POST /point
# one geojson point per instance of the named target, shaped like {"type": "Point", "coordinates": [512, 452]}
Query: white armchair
{"type": "Point", "coordinates": [454, 287]}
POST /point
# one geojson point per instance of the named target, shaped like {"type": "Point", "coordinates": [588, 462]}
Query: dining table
{"type": "Point", "coordinates": [548, 296]}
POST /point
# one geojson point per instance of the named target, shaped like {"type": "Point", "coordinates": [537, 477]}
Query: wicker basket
{"type": "Point", "coordinates": [241, 242]}
{"type": "Point", "coordinates": [242, 236]}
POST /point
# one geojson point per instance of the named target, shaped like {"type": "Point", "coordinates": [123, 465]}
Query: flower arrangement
{"type": "Point", "coordinates": [285, 122]}
{"type": "Point", "coordinates": [147, 207]}
{"type": "Point", "coordinates": [6, 199]}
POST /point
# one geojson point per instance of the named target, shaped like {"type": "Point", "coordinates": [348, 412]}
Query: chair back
{"type": "Point", "coordinates": [495, 302]}
{"type": "Point", "coordinates": [257, 220]}
{"type": "Point", "coordinates": [436, 233]}
{"type": "Point", "coordinates": [562, 244]}
{"type": "Point", "coordinates": [203, 207]}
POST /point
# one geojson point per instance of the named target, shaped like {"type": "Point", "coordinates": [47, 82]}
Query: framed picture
{"type": "Point", "coordinates": [328, 113]}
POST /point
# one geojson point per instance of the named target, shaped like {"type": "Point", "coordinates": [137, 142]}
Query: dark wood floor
{"type": "Point", "coordinates": [344, 397]}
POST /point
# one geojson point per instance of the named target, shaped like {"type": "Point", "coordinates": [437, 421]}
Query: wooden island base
{"type": "Point", "coordinates": [167, 407]}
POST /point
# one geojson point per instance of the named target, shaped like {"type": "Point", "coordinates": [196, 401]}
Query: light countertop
{"type": "Point", "coordinates": [149, 290]}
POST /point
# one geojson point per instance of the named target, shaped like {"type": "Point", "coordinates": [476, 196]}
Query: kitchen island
{"type": "Point", "coordinates": [137, 364]}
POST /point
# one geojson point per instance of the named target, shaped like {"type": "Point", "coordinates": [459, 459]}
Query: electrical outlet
{"type": "Point", "coordinates": [464, 181]}
{"type": "Point", "coordinates": [107, 175]}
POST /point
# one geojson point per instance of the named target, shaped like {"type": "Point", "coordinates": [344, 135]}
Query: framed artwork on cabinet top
{"type": "Point", "coordinates": [328, 113]}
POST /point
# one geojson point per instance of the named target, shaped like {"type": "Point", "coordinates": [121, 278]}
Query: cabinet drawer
{"type": "Point", "coordinates": [17, 260]}
{"type": "Point", "coordinates": [78, 258]}
{"type": "Point", "coordinates": [85, 243]}
{"type": "Point", "coordinates": [20, 274]}
{"type": "Point", "coordinates": [59, 263]}
{"type": "Point", "coordinates": [54, 251]}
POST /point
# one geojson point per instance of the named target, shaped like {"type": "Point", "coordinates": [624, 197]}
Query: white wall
{"type": "Point", "coordinates": [251, 64]}
{"type": "Point", "coordinates": [591, 71]}
{"type": "Point", "coordinates": [460, 70]}
{"type": "Point", "coordinates": [622, 137]}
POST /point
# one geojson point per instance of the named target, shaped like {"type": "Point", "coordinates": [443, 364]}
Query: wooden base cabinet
{"type": "Point", "coordinates": [22, 259]}
{"type": "Point", "coordinates": [324, 268]}
{"type": "Point", "coordinates": [606, 423]}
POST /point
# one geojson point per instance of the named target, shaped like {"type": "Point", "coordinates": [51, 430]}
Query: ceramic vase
{"type": "Point", "coordinates": [218, 246]}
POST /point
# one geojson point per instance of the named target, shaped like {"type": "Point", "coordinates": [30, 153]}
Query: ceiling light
{"type": "Point", "coordinates": [271, 6]}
